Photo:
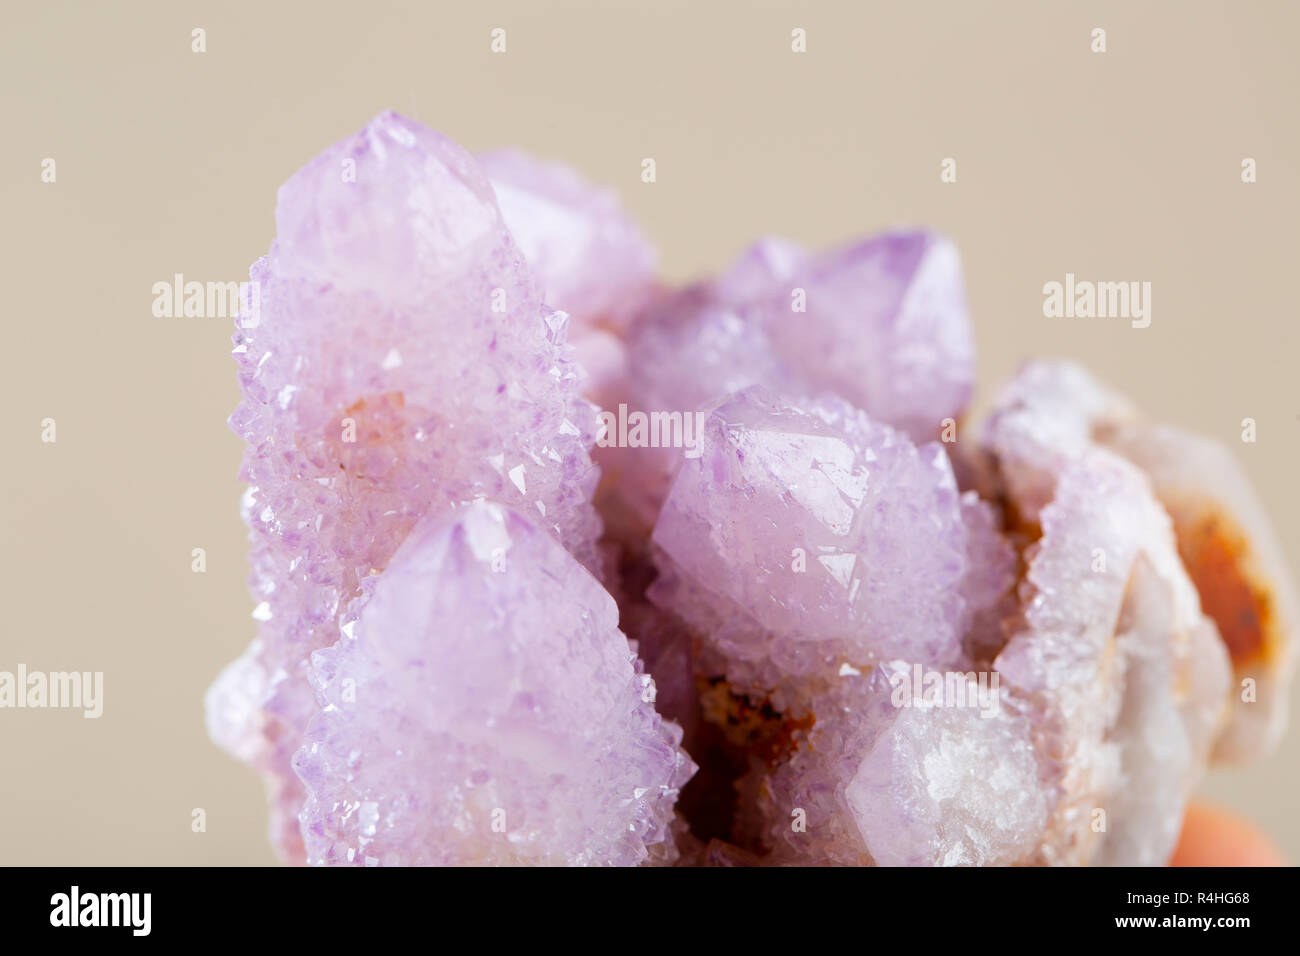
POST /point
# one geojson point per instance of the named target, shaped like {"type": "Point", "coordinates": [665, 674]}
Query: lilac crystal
{"type": "Point", "coordinates": [401, 362]}
{"type": "Point", "coordinates": [438, 677]}
{"type": "Point", "coordinates": [484, 708]}
{"type": "Point", "coordinates": [880, 323]}
{"type": "Point", "coordinates": [820, 551]}
{"type": "Point", "coordinates": [588, 257]}
{"type": "Point", "coordinates": [814, 537]}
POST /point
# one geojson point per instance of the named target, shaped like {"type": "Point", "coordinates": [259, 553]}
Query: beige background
{"type": "Point", "coordinates": [1123, 165]}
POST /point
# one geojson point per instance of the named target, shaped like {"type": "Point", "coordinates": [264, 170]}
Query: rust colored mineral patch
{"type": "Point", "coordinates": [1221, 563]}
{"type": "Point", "coordinates": [757, 727]}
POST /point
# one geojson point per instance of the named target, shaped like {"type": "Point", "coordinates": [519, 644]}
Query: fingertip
{"type": "Point", "coordinates": [1213, 836]}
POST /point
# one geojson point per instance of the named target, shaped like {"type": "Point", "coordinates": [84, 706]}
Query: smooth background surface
{"type": "Point", "coordinates": [1116, 166]}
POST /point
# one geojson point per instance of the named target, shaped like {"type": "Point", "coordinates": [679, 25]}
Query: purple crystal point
{"type": "Point", "coordinates": [880, 323]}
{"type": "Point", "coordinates": [484, 708]}
{"type": "Point", "coordinates": [820, 552]}
{"type": "Point", "coordinates": [401, 361]}
{"type": "Point", "coordinates": [894, 779]}
{"type": "Point", "coordinates": [883, 323]}
{"type": "Point", "coordinates": [803, 538]}
{"type": "Point", "coordinates": [588, 257]}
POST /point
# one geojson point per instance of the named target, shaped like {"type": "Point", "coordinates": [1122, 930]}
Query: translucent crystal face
{"type": "Point", "coordinates": [820, 528]}
{"type": "Point", "coordinates": [485, 708]}
{"type": "Point", "coordinates": [871, 637]}
{"type": "Point", "coordinates": [586, 255]}
{"type": "Point", "coordinates": [401, 362]}
{"type": "Point", "coordinates": [949, 786]}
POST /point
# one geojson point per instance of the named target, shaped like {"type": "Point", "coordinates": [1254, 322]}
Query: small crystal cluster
{"type": "Point", "coordinates": [828, 625]}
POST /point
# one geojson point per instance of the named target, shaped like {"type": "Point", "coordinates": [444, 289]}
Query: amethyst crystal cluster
{"type": "Point", "coordinates": [768, 606]}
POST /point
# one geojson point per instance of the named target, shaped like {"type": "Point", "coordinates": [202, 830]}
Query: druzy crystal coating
{"type": "Point", "coordinates": [540, 724]}
{"type": "Point", "coordinates": [791, 610]}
